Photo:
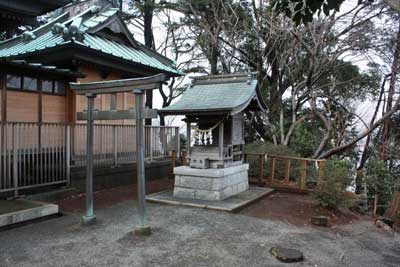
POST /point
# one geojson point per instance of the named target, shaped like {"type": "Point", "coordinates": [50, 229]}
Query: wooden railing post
{"type": "Point", "coordinates": [115, 144]}
{"type": "Point", "coordinates": [261, 169]}
{"type": "Point", "coordinates": [303, 174]}
{"type": "Point", "coordinates": [376, 201]}
{"type": "Point", "coordinates": [68, 152]}
{"type": "Point", "coordinates": [287, 171]}
{"type": "Point", "coordinates": [182, 157]}
{"type": "Point", "coordinates": [177, 140]}
{"type": "Point", "coordinates": [320, 171]}
{"type": "Point", "coordinates": [15, 137]}
{"type": "Point", "coordinates": [151, 138]}
{"type": "Point", "coordinates": [173, 159]}
{"type": "Point", "coordinates": [272, 169]}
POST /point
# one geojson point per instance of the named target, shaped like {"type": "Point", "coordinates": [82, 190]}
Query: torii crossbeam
{"type": "Point", "coordinates": [137, 86]}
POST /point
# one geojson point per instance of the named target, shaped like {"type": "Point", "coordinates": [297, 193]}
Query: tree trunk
{"type": "Point", "coordinates": [389, 102]}
{"type": "Point", "coordinates": [148, 9]}
{"type": "Point", "coordinates": [394, 208]}
{"type": "Point", "coordinates": [327, 124]}
{"type": "Point", "coordinates": [364, 155]}
{"type": "Point", "coordinates": [387, 113]}
{"type": "Point", "coordinates": [162, 120]}
{"type": "Point", "coordinates": [214, 54]}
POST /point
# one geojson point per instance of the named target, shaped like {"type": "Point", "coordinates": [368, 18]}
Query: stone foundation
{"type": "Point", "coordinates": [210, 184]}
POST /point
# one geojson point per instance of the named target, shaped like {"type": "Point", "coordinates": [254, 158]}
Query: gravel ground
{"type": "Point", "coordinates": [189, 237]}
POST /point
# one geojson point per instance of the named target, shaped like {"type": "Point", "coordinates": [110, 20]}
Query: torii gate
{"type": "Point", "coordinates": [137, 86]}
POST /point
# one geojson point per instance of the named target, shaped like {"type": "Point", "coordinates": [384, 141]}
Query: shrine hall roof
{"type": "Point", "coordinates": [220, 94]}
{"type": "Point", "coordinates": [96, 30]}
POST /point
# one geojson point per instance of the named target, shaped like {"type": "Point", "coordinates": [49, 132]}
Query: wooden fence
{"type": "Point", "coordinates": [281, 172]}
{"type": "Point", "coordinates": [116, 144]}
{"type": "Point", "coordinates": [33, 155]}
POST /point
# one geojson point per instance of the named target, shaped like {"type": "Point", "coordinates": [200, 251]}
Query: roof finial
{"type": "Point", "coordinates": [58, 28]}
{"type": "Point", "coordinates": [249, 78]}
{"type": "Point", "coordinates": [28, 36]}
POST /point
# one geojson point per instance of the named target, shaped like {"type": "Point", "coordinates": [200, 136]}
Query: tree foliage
{"type": "Point", "coordinates": [306, 55]}
{"type": "Point", "coordinates": [303, 11]}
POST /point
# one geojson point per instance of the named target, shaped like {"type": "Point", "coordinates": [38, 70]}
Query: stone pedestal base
{"type": "Point", "coordinates": [85, 221]}
{"type": "Point", "coordinates": [142, 230]}
{"type": "Point", "coordinates": [210, 184]}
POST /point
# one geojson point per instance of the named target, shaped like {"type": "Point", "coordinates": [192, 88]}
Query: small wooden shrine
{"type": "Point", "coordinates": [213, 107]}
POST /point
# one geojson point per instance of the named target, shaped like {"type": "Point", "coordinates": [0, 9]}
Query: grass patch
{"type": "Point", "coordinates": [8, 206]}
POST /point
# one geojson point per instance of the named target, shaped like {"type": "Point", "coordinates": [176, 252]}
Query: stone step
{"type": "Point", "coordinates": [25, 211]}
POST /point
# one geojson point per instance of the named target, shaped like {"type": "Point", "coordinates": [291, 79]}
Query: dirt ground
{"type": "Point", "coordinates": [108, 197]}
{"type": "Point", "coordinates": [183, 236]}
{"type": "Point", "coordinates": [297, 209]}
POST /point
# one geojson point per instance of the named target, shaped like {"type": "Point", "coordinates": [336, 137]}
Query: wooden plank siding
{"type": "Point", "coordinates": [22, 106]}
{"type": "Point", "coordinates": [18, 105]}
{"type": "Point", "coordinates": [103, 102]}
{"type": "Point", "coordinates": [54, 108]}
{"type": "Point", "coordinates": [34, 107]}
{"type": "Point", "coordinates": [37, 106]}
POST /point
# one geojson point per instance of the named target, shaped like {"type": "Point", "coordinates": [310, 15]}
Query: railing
{"type": "Point", "coordinates": [116, 144]}
{"type": "Point", "coordinates": [282, 172]}
{"type": "Point", "coordinates": [33, 154]}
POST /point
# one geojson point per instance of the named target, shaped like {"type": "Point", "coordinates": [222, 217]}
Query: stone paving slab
{"type": "Point", "coordinates": [231, 204]}
{"type": "Point", "coordinates": [22, 210]}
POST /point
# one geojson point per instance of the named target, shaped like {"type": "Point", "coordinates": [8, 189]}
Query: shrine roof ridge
{"type": "Point", "coordinates": [218, 94]}
{"type": "Point", "coordinates": [224, 78]}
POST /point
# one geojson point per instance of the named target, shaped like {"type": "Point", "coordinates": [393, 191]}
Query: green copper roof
{"type": "Point", "coordinates": [79, 31]}
{"type": "Point", "coordinates": [98, 19]}
{"type": "Point", "coordinates": [122, 51]}
{"type": "Point", "coordinates": [38, 67]}
{"type": "Point", "coordinates": [229, 94]}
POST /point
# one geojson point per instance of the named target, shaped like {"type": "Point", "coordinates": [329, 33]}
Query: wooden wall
{"type": "Point", "coordinates": [22, 106]}
{"type": "Point", "coordinates": [103, 102]}
{"type": "Point", "coordinates": [54, 108]}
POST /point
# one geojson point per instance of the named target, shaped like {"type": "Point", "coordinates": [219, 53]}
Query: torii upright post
{"type": "Point", "coordinates": [89, 217]}
{"type": "Point", "coordinates": [141, 227]}
{"type": "Point", "coordinates": [137, 86]}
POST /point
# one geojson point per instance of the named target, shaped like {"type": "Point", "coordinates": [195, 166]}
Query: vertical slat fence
{"type": "Point", "coordinates": [33, 154]}
{"type": "Point", "coordinates": [115, 144]}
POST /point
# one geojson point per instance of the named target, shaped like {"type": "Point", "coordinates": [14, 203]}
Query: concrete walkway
{"type": "Point", "coordinates": [189, 237]}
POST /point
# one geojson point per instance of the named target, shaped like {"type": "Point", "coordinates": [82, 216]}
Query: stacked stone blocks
{"type": "Point", "coordinates": [210, 184]}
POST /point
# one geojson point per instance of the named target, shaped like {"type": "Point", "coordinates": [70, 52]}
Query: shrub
{"type": "Point", "coordinates": [382, 181]}
{"type": "Point", "coordinates": [269, 148]}
{"type": "Point", "coordinates": [330, 191]}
